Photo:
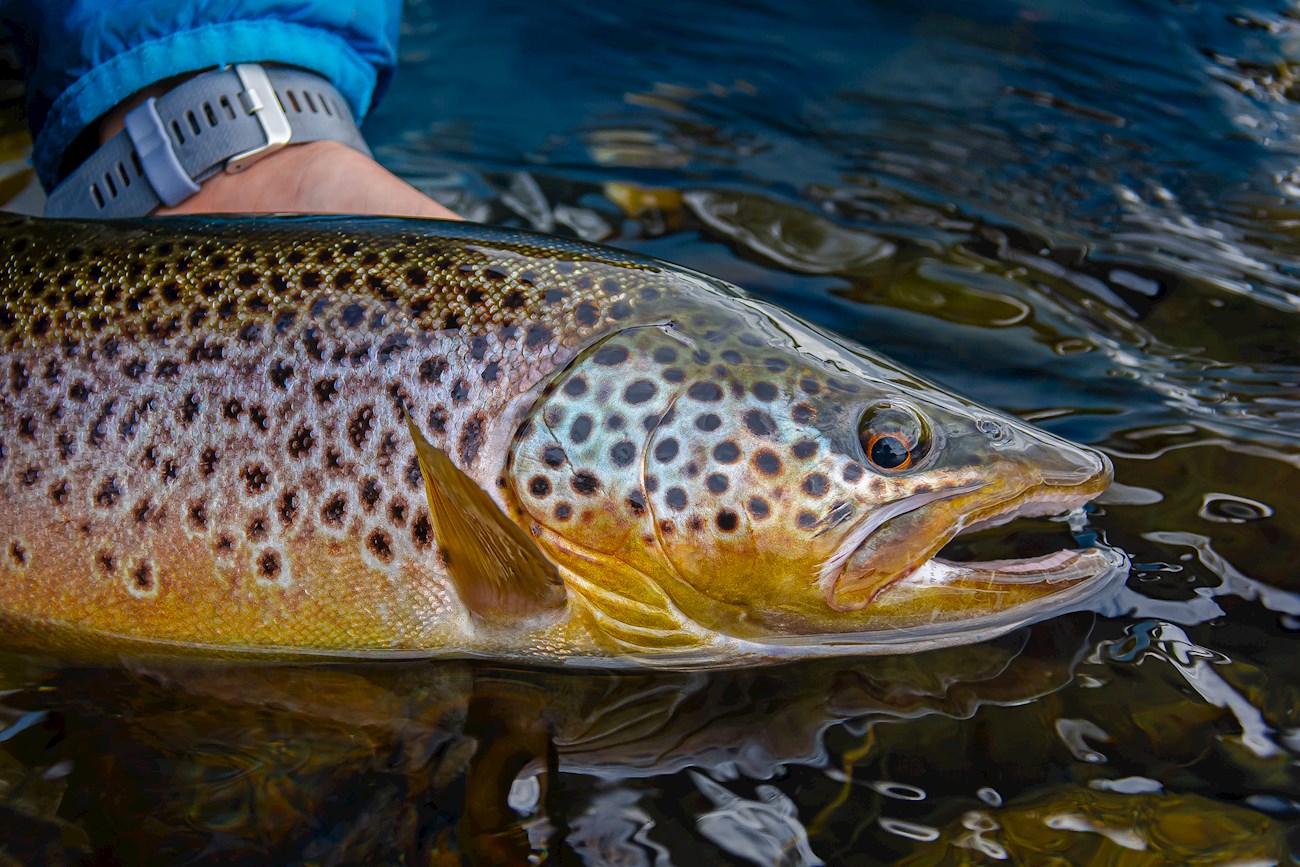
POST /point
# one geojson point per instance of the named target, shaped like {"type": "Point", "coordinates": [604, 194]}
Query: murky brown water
{"type": "Point", "coordinates": [1086, 216]}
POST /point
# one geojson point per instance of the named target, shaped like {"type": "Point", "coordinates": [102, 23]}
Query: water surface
{"type": "Point", "coordinates": [1089, 217]}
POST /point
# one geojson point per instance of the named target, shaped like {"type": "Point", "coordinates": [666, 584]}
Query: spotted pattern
{"type": "Point", "coordinates": [210, 417]}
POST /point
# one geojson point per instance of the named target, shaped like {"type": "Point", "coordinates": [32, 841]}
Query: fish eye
{"type": "Point", "coordinates": [893, 437]}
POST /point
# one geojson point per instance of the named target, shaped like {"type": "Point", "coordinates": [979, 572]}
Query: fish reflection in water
{"type": "Point", "coordinates": [459, 762]}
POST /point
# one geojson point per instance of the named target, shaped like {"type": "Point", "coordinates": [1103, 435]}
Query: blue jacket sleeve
{"type": "Point", "coordinates": [83, 57]}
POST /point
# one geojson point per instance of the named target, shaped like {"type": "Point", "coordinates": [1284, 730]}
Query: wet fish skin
{"type": "Point", "coordinates": [205, 448]}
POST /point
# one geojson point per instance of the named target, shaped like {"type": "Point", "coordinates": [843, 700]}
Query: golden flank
{"type": "Point", "coordinates": [397, 438]}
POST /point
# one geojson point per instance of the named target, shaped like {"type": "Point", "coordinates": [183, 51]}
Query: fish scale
{"type": "Point", "coordinates": [214, 421]}
{"type": "Point", "coordinates": [383, 437]}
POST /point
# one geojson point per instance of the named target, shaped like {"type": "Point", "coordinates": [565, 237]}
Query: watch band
{"type": "Point", "coordinates": [222, 120]}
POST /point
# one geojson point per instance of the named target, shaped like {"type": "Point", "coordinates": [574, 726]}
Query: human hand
{"type": "Point", "coordinates": [323, 177]}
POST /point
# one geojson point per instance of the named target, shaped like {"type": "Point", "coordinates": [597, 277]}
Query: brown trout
{"type": "Point", "coordinates": [373, 437]}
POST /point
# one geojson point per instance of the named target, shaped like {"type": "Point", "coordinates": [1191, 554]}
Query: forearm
{"type": "Point", "coordinates": [85, 57]}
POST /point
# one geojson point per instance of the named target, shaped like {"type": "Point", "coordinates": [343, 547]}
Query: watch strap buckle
{"type": "Point", "coordinates": [259, 100]}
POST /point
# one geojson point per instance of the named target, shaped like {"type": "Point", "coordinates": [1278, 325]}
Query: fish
{"type": "Point", "coordinates": [382, 438]}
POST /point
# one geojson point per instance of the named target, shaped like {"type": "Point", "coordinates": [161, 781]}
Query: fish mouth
{"type": "Point", "coordinates": [897, 572]}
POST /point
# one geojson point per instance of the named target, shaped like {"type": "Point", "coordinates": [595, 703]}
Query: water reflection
{"type": "Point", "coordinates": [1084, 213]}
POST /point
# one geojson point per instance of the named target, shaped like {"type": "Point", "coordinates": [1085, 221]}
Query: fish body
{"type": "Point", "coordinates": [376, 437]}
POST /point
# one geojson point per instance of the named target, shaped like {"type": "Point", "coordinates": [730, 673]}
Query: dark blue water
{"type": "Point", "coordinates": [1087, 216]}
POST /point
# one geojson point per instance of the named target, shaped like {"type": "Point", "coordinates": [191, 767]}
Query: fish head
{"type": "Point", "coordinates": [765, 481]}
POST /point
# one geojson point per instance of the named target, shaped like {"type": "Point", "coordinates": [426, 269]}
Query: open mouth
{"type": "Point", "coordinates": [1032, 542]}
{"type": "Point", "coordinates": [951, 559]}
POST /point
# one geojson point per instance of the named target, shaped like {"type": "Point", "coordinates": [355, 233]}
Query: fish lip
{"type": "Point", "coordinates": [833, 569]}
{"type": "Point", "coordinates": [1038, 500]}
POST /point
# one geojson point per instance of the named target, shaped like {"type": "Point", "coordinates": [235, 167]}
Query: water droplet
{"type": "Point", "coordinates": [901, 791]}
{"type": "Point", "coordinates": [1231, 509]}
{"type": "Point", "coordinates": [910, 830]}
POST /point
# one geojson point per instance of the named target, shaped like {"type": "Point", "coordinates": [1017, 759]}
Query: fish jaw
{"type": "Point", "coordinates": [895, 577]}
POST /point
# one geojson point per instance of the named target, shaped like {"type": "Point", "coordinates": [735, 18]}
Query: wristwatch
{"type": "Point", "coordinates": [221, 120]}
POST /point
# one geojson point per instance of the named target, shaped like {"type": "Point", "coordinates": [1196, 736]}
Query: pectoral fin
{"type": "Point", "coordinates": [499, 572]}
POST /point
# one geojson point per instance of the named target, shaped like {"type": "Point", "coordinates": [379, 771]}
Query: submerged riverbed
{"type": "Point", "coordinates": [1086, 217]}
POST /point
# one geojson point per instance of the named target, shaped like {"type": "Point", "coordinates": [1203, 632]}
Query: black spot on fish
{"type": "Point", "coordinates": [708, 422]}
{"type": "Point", "coordinates": [809, 385]}
{"type": "Point", "coordinates": [705, 392]}
{"type": "Point", "coordinates": [815, 485]}
{"type": "Point", "coordinates": [580, 430]}
{"type": "Point", "coordinates": [360, 426]}
{"type": "Point", "coordinates": [301, 442]}
{"type": "Point", "coordinates": [233, 409]}
{"type": "Point", "coordinates": [471, 438]}
{"type": "Point", "coordinates": [289, 507]}
{"type": "Point", "coordinates": [553, 456]}
{"type": "Point", "coordinates": [108, 493]}
{"type": "Point", "coordinates": [610, 355]}
{"type": "Point", "coordinates": [758, 507]}
{"type": "Point", "coordinates": [620, 310]}
{"type": "Point", "coordinates": [417, 277]}
{"type": "Point", "coordinates": [651, 483]}
{"type": "Point", "coordinates": [575, 386]}
{"type": "Point", "coordinates": [334, 510]}
{"type": "Point", "coordinates": [764, 391]}
{"type": "Point", "coordinates": [636, 502]}
{"type": "Point", "coordinates": [438, 418]}
{"type": "Point", "coordinates": [760, 423]}
{"type": "Point", "coordinates": [586, 314]}
{"type": "Point", "coordinates": [731, 356]}
{"type": "Point", "coordinates": [459, 391]}
{"type": "Point", "coordinates": [640, 391]}
{"type": "Point", "coordinates": [717, 483]}
{"type": "Point", "coordinates": [727, 520]}
{"type": "Point", "coordinates": [666, 450]}
{"type": "Point", "coordinates": [673, 375]}
{"type": "Point", "coordinates": [432, 369]}
{"type": "Point", "coordinates": [208, 461]}
{"type": "Point", "coordinates": [803, 413]}
{"type": "Point", "coordinates": [726, 452]}
{"type": "Point", "coordinates": [326, 389]}
{"type": "Point", "coordinates": [622, 453]}
{"type": "Point", "coordinates": [421, 531]}
{"type": "Point", "coordinates": [615, 421]}
{"type": "Point", "coordinates": [491, 372]}
{"type": "Point", "coordinates": [676, 498]}
{"type": "Point", "coordinates": [198, 513]}
{"type": "Point", "coordinates": [59, 493]}
{"type": "Point", "coordinates": [371, 492]}
{"type": "Point", "coordinates": [807, 520]}
{"type": "Point", "coordinates": [539, 486]}
{"type": "Point", "coordinates": [665, 355]}
{"type": "Point", "coordinates": [584, 483]}
{"type": "Point", "coordinates": [380, 546]}
{"type": "Point", "coordinates": [766, 462]}
{"type": "Point", "coordinates": [852, 473]}
{"type": "Point", "coordinates": [142, 576]}
{"type": "Point", "coordinates": [536, 336]}
{"type": "Point", "coordinates": [18, 553]}
{"type": "Point", "coordinates": [804, 449]}
{"type": "Point", "coordinates": [268, 564]}
{"type": "Point", "coordinates": [256, 478]}
{"type": "Point", "coordinates": [256, 530]}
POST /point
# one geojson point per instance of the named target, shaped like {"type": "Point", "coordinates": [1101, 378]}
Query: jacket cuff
{"type": "Point", "coordinates": [257, 41]}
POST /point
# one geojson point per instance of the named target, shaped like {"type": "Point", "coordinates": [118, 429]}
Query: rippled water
{"type": "Point", "coordinates": [1090, 217]}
